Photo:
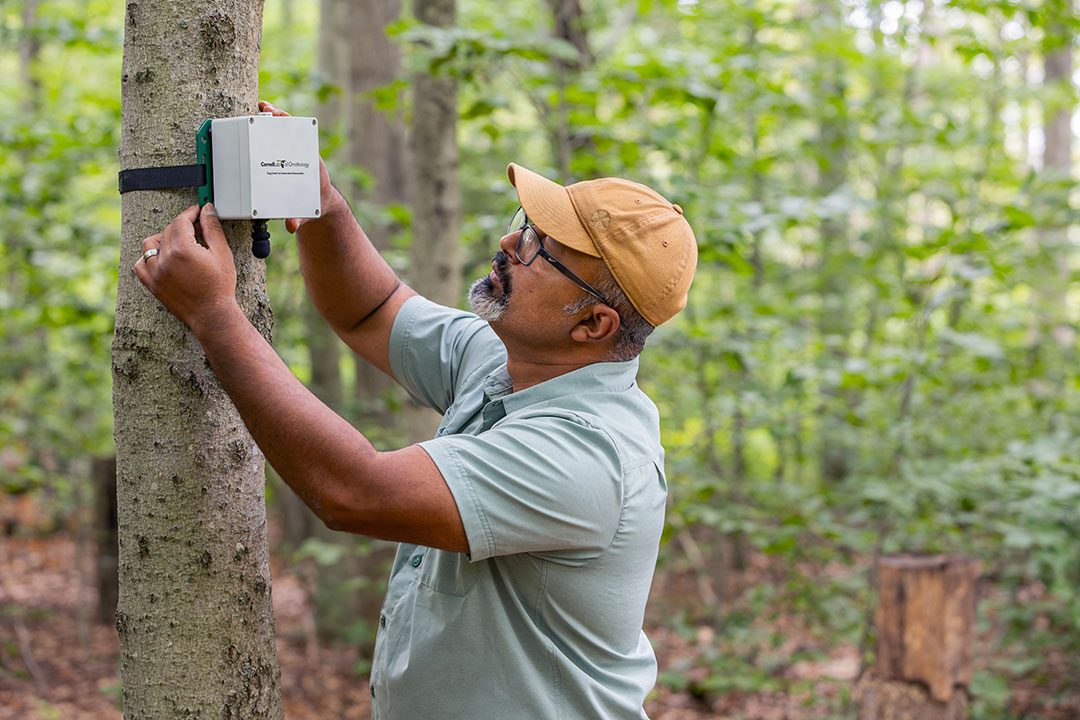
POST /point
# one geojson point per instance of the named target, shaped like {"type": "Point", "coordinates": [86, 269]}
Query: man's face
{"type": "Point", "coordinates": [529, 300]}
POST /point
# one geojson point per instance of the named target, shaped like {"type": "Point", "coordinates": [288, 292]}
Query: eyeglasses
{"type": "Point", "coordinates": [530, 245]}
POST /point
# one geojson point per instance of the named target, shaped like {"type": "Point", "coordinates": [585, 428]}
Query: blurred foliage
{"type": "Point", "coordinates": [880, 350]}
{"type": "Point", "coordinates": [59, 215]}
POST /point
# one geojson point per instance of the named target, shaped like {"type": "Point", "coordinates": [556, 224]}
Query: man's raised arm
{"type": "Point", "coordinates": [353, 288]}
{"type": "Point", "coordinates": [398, 495]}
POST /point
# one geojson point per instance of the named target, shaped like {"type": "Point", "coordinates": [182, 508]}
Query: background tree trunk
{"type": "Point", "coordinates": [355, 56]}
{"type": "Point", "coordinates": [1057, 153]}
{"type": "Point", "coordinates": [28, 348]}
{"type": "Point", "coordinates": [831, 160]}
{"type": "Point", "coordinates": [436, 260]}
{"type": "Point", "coordinates": [29, 49]}
{"type": "Point", "coordinates": [569, 26]}
{"type": "Point", "coordinates": [323, 345]}
{"type": "Point", "coordinates": [377, 144]}
{"type": "Point", "coordinates": [324, 348]}
{"type": "Point", "coordinates": [194, 617]}
{"type": "Point", "coordinates": [1054, 319]}
{"type": "Point", "coordinates": [436, 257]}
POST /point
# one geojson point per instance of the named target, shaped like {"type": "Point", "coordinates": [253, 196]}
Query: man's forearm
{"type": "Point", "coordinates": [398, 495]}
{"type": "Point", "coordinates": [311, 447]}
{"type": "Point", "coordinates": [345, 275]}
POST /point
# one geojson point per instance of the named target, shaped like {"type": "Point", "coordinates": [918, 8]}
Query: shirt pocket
{"type": "Point", "coordinates": [448, 573]}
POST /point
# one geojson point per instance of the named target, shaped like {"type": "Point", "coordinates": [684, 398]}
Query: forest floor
{"type": "Point", "coordinates": [57, 663]}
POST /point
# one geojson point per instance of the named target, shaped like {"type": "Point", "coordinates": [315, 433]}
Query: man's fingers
{"type": "Point", "coordinates": [142, 272]}
{"type": "Point", "coordinates": [212, 232]}
{"type": "Point", "coordinates": [151, 242]}
{"type": "Point", "coordinates": [189, 214]}
{"type": "Point", "coordinates": [292, 225]}
{"type": "Point", "coordinates": [182, 226]}
{"type": "Point", "coordinates": [267, 107]}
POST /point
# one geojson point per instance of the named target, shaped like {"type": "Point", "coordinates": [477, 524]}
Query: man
{"type": "Point", "coordinates": [529, 525]}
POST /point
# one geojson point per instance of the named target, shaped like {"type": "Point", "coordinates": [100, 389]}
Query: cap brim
{"type": "Point", "coordinates": [549, 207]}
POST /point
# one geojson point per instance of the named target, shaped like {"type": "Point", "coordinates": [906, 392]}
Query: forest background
{"type": "Point", "coordinates": [879, 354]}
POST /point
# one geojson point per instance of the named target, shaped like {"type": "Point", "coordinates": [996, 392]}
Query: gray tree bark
{"type": "Point", "coordinates": [831, 161]}
{"type": "Point", "coordinates": [323, 344]}
{"type": "Point", "coordinates": [377, 143]}
{"type": "Point", "coordinates": [1055, 316]}
{"type": "Point", "coordinates": [324, 348]}
{"type": "Point", "coordinates": [436, 259]}
{"type": "Point", "coordinates": [29, 49]}
{"type": "Point", "coordinates": [351, 38]}
{"type": "Point", "coordinates": [1057, 152]}
{"type": "Point", "coordinates": [194, 616]}
{"type": "Point", "coordinates": [435, 262]}
{"type": "Point", "coordinates": [15, 238]}
{"type": "Point", "coordinates": [569, 21]}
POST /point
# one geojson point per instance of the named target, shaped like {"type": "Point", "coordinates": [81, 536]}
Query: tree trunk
{"type": "Point", "coordinates": [24, 349]}
{"type": "Point", "coordinates": [324, 348]}
{"type": "Point", "coordinates": [29, 49]}
{"type": "Point", "coordinates": [570, 27]}
{"type": "Point", "coordinates": [1057, 152]}
{"type": "Point", "coordinates": [194, 617]}
{"type": "Point", "coordinates": [436, 260]}
{"type": "Point", "coordinates": [377, 144]}
{"type": "Point", "coordinates": [1055, 352]}
{"type": "Point", "coordinates": [833, 279]}
{"type": "Point", "coordinates": [355, 56]}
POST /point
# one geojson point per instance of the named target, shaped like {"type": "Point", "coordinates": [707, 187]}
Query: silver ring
{"type": "Point", "coordinates": [149, 254]}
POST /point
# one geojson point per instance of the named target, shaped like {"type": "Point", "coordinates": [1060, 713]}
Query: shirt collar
{"type": "Point", "coordinates": [611, 376]}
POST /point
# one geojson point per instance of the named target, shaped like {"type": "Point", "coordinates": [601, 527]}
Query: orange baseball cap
{"type": "Point", "coordinates": [643, 239]}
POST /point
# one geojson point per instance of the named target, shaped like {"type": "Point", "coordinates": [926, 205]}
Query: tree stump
{"type": "Point", "coordinates": [925, 623]}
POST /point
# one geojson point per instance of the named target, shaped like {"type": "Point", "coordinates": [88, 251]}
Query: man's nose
{"type": "Point", "coordinates": [508, 244]}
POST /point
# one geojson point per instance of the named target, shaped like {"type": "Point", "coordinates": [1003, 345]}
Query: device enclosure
{"type": "Point", "coordinates": [265, 167]}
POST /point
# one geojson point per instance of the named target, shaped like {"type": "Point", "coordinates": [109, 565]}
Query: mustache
{"type": "Point", "coordinates": [502, 269]}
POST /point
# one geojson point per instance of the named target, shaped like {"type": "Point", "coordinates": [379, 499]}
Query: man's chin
{"type": "Point", "coordinates": [485, 302]}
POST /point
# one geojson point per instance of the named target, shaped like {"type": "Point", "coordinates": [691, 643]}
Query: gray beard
{"type": "Point", "coordinates": [483, 302]}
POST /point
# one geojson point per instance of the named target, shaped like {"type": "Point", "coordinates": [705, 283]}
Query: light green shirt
{"type": "Point", "coordinates": [561, 490]}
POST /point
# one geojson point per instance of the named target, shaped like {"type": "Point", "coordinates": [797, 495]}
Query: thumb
{"type": "Point", "coordinates": [212, 232]}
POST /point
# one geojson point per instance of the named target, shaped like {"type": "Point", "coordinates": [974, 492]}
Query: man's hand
{"type": "Point", "coordinates": [329, 197]}
{"type": "Point", "coordinates": [196, 283]}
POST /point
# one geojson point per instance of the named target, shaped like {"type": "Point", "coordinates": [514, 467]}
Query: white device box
{"type": "Point", "coordinates": [265, 167]}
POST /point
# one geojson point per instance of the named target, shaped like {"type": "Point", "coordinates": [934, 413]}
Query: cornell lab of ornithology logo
{"type": "Point", "coordinates": [284, 164]}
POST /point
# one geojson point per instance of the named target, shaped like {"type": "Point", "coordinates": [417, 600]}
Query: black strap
{"type": "Point", "coordinates": [162, 178]}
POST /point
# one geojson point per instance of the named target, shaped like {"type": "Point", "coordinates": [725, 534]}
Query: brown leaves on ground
{"type": "Point", "coordinates": [58, 663]}
{"type": "Point", "coordinates": [47, 610]}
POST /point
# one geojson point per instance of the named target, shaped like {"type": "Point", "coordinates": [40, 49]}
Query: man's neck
{"type": "Point", "coordinates": [528, 372]}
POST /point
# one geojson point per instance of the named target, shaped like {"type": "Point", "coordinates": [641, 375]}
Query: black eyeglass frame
{"type": "Point", "coordinates": [526, 226]}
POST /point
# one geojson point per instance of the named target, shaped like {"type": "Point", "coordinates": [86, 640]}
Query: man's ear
{"type": "Point", "coordinates": [599, 325]}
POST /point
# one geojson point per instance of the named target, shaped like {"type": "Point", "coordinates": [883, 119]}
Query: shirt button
{"type": "Point", "coordinates": [416, 560]}
{"type": "Point", "coordinates": [382, 621]}
{"type": "Point", "coordinates": [372, 691]}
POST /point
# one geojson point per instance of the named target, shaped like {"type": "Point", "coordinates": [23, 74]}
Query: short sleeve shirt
{"type": "Point", "coordinates": [561, 491]}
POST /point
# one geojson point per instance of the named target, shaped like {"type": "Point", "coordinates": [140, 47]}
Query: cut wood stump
{"type": "Point", "coordinates": [925, 624]}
